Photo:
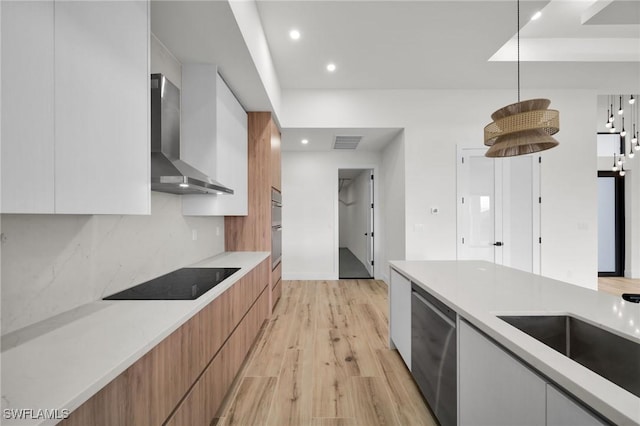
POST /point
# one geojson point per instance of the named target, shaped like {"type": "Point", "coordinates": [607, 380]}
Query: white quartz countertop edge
{"type": "Point", "coordinates": [603, 396]}
{"type": "Point", "coordinates": [62, 362]}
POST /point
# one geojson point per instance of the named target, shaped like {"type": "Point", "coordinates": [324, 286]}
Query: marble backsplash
{"type": "Point", "coordinates": [54, 263]}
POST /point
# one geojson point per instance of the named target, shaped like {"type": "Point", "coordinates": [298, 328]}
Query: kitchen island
{"type": "Point", "coordinates": [479, 292]}
{"type": "Point", "coordinates": [62, 363]}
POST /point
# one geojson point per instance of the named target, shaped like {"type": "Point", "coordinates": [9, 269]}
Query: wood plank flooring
{"type": "Point", "coordinates": [323, 360]}
{"type": "Point", "coordinates": [618, 285]}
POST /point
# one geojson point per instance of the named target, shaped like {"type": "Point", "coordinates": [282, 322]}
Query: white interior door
{"type": "Point", "coordinates": [370, 236]}
{"type": "Point", "coordinates": [476, 206]}
{"type": "Point", "coordinates": [499, 209]}
{"type": "Point", "coordinates": [520, 213]}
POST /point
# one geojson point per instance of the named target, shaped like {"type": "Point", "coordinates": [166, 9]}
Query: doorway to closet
{"type": "Point", "coordinates": [356, 223]}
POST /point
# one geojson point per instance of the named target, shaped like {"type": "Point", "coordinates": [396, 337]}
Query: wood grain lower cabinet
{"type": "Point", "coordinates": [148, 392]}
{"type": "Point", "coordinates": [276, 284]}
{"type": "Point", "coordinates": [253, 231]}
{"type": "Point", "coordinates": [203, 401]}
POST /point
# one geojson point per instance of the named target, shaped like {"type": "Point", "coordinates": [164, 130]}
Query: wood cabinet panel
{"type": "Point", "coordinates": [253, 232]}
{"type": "Point", "coordinates": [148, 391]}
{"type": "Point", "coordinates": [276, 158]}
{"type": "Point", "coordinates": [204, 399]}
{"type": "Point", "coordinates": [276, 293]}
{"type": "Point", "coordinates": [276, 274]}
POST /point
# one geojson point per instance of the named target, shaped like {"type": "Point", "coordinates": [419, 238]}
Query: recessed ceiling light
{"type": "Point", "coordinates": [184, 185]}
{"type": "Point", "coordinates": [304, 141]}
{"type": "Point", "coordinates": [536, 15]}
{"type": "Point", "coordinates": [331, 67]}
{"type": "Point", "coordinates": [294, 34]}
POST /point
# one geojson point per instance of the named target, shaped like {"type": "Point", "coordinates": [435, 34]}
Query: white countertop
{"type": "Point", "coordinates": [479, 291]}
{"type": "Point", "coordinates": [61, 362]}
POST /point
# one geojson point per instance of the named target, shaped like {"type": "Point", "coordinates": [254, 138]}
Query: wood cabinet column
{"type": "Point", "coordinates": [253, 232]}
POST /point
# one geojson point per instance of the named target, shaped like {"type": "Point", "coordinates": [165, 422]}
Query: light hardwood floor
{"type": "Point", "coordinates": [618, 285]}
{"type": "Point", "coordinates": [323, 360]}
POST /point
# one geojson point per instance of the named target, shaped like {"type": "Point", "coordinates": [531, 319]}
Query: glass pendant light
{"type": "Point", "coordinates": [607, 123]}
{"type": "Point", "coordinates": [623, 132]}
{"type": "Point", "coordinates": [631, 153]}
{"type": "Point", "coordinates": [620, 159]}
{"type": "Point", "coordinates": [632, 100]}
{"type": "Point", "coordinates": [622, 171]}
{"type": "Point", "coordinates": [620, 110]}
{"type": "Point", "coordinates": [611, 117]}
{"type": "Point", "coordinates": [615, 164]}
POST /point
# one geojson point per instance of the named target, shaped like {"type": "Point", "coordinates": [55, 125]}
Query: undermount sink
{"type": "Point", "coordinates": [607, 354]}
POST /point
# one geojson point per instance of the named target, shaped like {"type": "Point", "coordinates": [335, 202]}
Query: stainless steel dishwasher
{"type": "Point", "coordinates": [433, 354]}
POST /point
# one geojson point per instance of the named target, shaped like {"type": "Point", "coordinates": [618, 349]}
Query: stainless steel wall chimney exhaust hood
{"type": "Point", "coordinates": [168, 172]}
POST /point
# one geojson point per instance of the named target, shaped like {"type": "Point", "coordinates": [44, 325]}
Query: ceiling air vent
{"type": "Point", "coordinates": [346, 142]}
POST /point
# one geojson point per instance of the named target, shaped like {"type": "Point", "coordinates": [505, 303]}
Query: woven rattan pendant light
{"type": "Point", "coordinates": [524, 127]}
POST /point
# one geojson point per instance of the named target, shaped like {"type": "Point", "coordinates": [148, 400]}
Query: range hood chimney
{"type": "Point", "coordinates": [168, 172]}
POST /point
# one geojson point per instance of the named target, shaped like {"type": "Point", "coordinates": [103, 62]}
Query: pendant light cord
{"type": "Point", "coordinates": [518, 44]}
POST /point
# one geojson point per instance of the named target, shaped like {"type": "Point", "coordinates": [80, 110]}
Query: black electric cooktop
{"type": "Point", "coordinates": [183, 284]}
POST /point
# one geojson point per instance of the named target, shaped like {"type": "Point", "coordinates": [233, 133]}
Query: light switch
{"type": "Point", "coordinates": [194, 234]}
{"type": "Point", "coordinates": [435, 210]}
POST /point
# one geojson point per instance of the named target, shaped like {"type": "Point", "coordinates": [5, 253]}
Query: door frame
{"type": "Point", "coordinates": [619, 223]}
{"type": "Point", "coordinates": [376, 213]}
{"type": "Point", "coordinates": [536, 203]}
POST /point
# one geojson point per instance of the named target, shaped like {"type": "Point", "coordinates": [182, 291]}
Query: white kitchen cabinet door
{"type": "Point", "coordinates": [102, 103]}
{"type": "Point", "coordinates": [215, 139]}
{"type": "Point", "coordinates": [400, 315]}
{"type": "Point", "coordinates": [564, 411]}
{"type": "Point", "coordinates": [495, 388]}
{"type": "Point", "coordinates": [27, 107]}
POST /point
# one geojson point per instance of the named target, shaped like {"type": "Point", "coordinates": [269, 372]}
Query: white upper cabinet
{"type": "Point", "coordinates": [27, 107]}
{"type": "Point", "coordinates": [78, 141]}
{"type": "Point", "coordinates": [214, 139]}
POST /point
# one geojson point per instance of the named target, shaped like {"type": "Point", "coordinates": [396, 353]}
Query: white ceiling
{"type": "Point", "coordinates": [447, 44]}
{"type": "Point", "coordinates": [418, 44]}
{"type": "Point", "coordinates": [322, 139]}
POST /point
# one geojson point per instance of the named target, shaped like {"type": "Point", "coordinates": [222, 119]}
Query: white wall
{"type": "Point", "coordinates": [53, 263]}
{"type": "Point", "coordinates": [435, 121]}
{"type": "Point", "coordinates": [392, 183]}
{"type": "Point", "coordinates": [310, 210]}
{"type": "Point", "coordinates": [354, 216]}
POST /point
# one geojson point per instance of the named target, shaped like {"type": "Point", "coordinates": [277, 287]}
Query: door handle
{"type": "Point", "coordinates": [366, 233]}
{"type": "Point", "coordinates": [498, 244]}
